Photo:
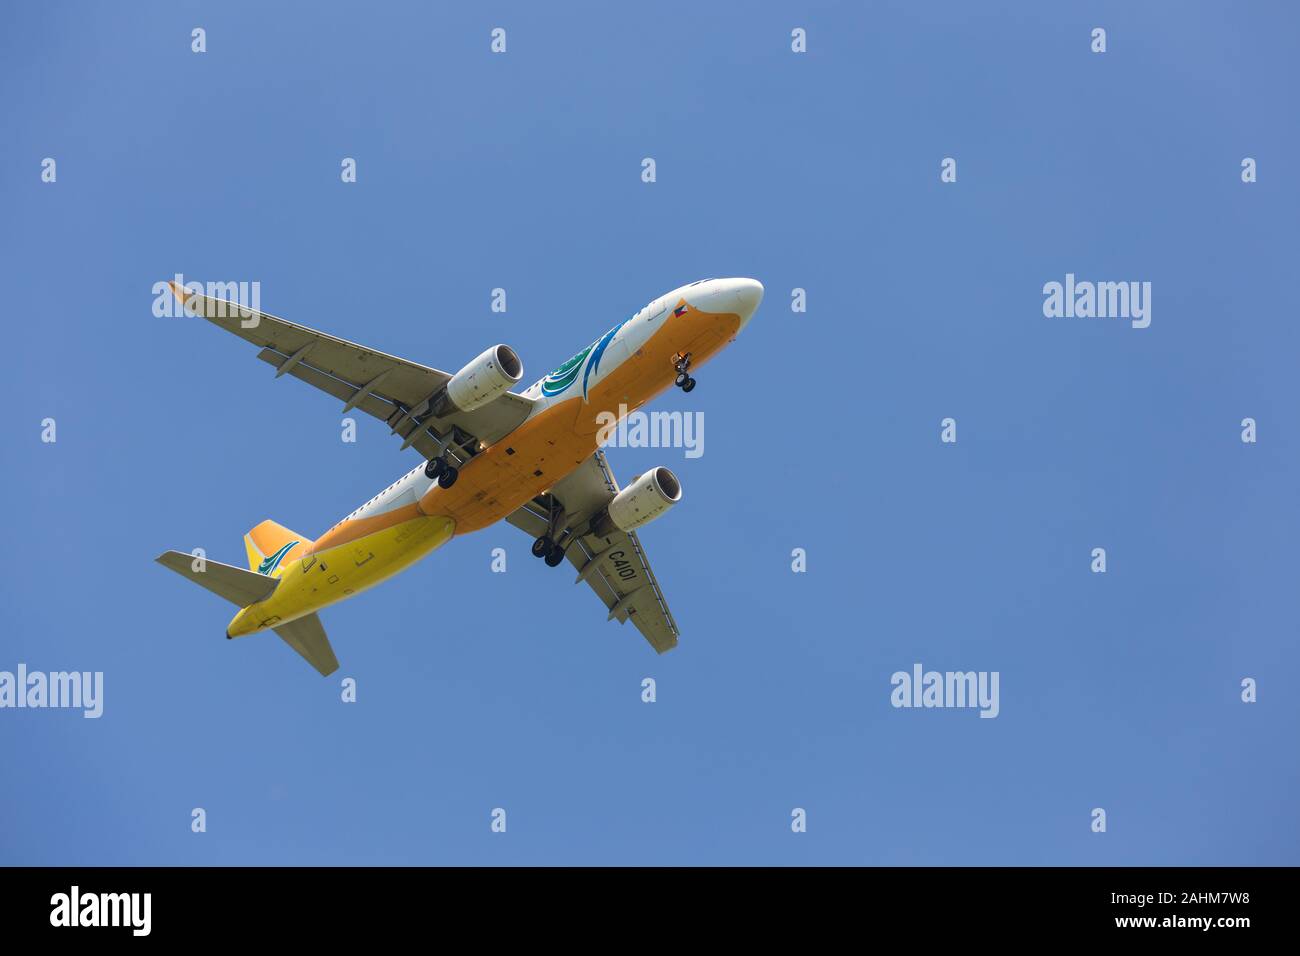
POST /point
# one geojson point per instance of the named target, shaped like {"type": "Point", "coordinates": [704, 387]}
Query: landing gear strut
{"type": "Point", "coordinates": [683, 366]}
{"type": "Point", "coordinates": [548, 546]}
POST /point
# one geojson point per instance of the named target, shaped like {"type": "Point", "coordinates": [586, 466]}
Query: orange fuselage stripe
{"type": "Point", "coordinates": [502, 478]}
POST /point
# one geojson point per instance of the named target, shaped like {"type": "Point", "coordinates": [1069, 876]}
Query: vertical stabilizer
{"type": "Point", "coordinates": [270, 546]}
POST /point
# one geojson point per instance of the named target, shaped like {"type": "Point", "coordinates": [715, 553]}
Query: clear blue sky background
{"type": "Point", "coordinates": [481, 690]}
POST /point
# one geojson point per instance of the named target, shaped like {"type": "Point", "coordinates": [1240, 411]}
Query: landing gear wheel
{"type": "Point", "coordinates": [448, 477]}
{"type": "Point", "coordinates": [434, 469]}
{"type": "Point", "coordinates": [542, 547]}
{"type": "Point", "coordinates": [554, 556]}
{"type": "Point", "coordinates": [683, 366]}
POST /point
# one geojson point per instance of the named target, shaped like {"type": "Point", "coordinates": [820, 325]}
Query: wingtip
{"type": "Point", "coordinates": [178, 291]}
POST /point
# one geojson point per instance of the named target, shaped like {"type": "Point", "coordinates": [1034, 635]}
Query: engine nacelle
{"type": "Point", "coordinates": [645, 498]}
{"type": "Point", "coordinates": [482, 380]}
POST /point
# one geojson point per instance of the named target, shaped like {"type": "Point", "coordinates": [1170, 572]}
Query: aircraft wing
{"type": "Point", "coordinates": [384, 386]}
{"type": "Point", "coordinates": [615, 566]}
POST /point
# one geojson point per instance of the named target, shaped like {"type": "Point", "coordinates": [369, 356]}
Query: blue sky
{"type": "Point", "coordinates": [818, 171]}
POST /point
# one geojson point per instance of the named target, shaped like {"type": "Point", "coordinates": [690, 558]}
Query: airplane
{"type": "Point", "coordinates": [532, 458]}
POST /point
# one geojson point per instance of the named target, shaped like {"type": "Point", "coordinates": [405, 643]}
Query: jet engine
{"type": "Point", "coordinates": [645, 498]}
{"type": "Point", "coordinates": [482, 380]}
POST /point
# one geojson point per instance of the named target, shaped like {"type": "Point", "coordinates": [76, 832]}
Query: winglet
{"type": "Point", "coordinates": [178, 291]}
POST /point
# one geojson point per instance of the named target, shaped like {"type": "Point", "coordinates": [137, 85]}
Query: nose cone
{"type": "Point", "coordinates": [747, 294]}
{"type": "Point", "coordinates": [726, 296]}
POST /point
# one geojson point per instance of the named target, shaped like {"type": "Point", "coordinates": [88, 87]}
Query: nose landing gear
{"type": "Point", "coordinates": [683, 366]}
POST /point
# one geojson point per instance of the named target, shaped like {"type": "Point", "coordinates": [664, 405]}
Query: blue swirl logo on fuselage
{"type": "Point", "coordinates": [559, 381]}
{"type": "Point", "coordinates": [593, 364]}
{"type": "Point", "coordinates": [564, 376]}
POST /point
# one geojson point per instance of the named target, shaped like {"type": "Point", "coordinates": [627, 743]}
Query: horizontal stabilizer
{"type": "Point", "coordinates": [236, 585]}
{"type": "Point", "coordinates": [307, 636]}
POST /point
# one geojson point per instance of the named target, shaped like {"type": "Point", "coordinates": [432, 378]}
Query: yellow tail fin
{"type": "Point", "coordinates": [270, 546]}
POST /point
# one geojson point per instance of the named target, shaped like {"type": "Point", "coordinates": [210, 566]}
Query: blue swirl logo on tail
{"type": "Point", "coordinates": [269, 564]}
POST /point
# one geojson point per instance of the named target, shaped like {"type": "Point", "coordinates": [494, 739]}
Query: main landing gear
{"type": "Point", "coordinates": [683, 366]}
{"type": "Point", "coordinates": [441, 471]}
{"type": "Point", "coordinates": [546, 548]}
